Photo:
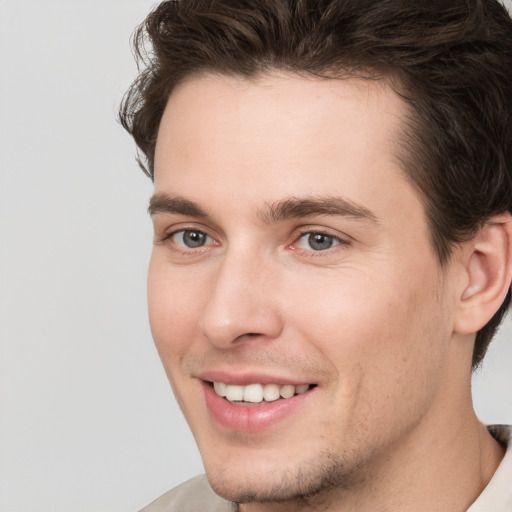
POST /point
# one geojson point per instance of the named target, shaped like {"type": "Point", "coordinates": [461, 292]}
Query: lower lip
{"type": "Point", "coordinates": [250, 418]}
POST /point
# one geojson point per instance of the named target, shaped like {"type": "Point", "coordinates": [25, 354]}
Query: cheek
{"type": "Point", "coordinates": [173, 304]}
{"type": "Point", "coordinates": [383, 339]}
{"type": "Point", "coordinates": [172, 316]}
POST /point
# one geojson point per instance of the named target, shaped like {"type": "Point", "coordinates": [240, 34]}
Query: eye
{"type": "Point", "coordinates": [190, 238]}
{"type": "Point", "coordinates": [317, 241]}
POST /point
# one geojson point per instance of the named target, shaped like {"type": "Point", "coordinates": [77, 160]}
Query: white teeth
{"type": "Point", "coordinates": [253, 393]}
{"type": "Point", "coordinates": [301, 389]}
{"type": "Point", "coordinates": [257, 393]}
{"type": "Point", "coordinates": [271, 392]}
{"type": "Point", "coordinates": [287, 391]}
{"type": "Point", "coordinates": [220, 388]}
{"type": "Point", "coordinates": [234, 393]}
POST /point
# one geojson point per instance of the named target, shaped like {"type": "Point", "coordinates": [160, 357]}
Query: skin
{"type": "Point", "coordinates": [371, 321]}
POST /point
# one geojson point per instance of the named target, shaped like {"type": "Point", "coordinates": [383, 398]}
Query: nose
{"type": "Point", "coordinates": [242, 304]}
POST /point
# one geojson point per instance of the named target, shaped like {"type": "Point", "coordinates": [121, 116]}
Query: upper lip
{"type": "Point", "coordinates": [246, 378]}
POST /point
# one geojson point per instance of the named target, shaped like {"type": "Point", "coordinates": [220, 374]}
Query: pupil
{"type": "Point", "coordinates": [319, 242]}
{"type": "Point", "coordinates": [194, 239]}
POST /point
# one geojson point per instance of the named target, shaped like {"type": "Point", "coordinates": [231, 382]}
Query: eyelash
{"type": "Point", "coordinates": [181, 248]}
{"type": "Point", "coordinates": [336, 240]}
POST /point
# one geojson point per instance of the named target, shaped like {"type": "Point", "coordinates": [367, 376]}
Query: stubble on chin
{"type": "Point", "coordinates": [313, 481]}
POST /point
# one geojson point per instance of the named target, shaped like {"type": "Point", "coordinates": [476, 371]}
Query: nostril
{"type": "Point", "coordinates": [248, 335]}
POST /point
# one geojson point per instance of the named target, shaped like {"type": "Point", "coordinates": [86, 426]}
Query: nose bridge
{"type": "Point", "coordinates": [241, 300]}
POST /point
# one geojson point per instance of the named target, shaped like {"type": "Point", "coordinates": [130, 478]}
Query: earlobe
{"type": "Point", "coordinates": [488, 267]}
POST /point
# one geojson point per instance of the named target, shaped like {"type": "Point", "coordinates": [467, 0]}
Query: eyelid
{"type": "Point", "coordinates": [336, 240]}
{"type": "Point", "coordinates": [173, 230]}
{"type": "Point", "coordinates": [342, 239]}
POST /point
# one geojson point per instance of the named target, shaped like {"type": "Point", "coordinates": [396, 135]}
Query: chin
{"type": "Point", "coordinates": [264, 483]}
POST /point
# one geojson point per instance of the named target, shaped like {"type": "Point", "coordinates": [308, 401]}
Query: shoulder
{"type": "Point", "coordinates": [191, 496]}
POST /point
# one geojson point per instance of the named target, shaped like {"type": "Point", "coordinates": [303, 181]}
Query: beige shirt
{"type": "Point", "coordinates": [191, 496]}
{"type": "Point", "coordinates": [197, 496]}
{"type": "Point", "coordinates": [497, 496]}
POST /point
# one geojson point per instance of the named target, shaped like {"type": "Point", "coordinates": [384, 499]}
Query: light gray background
{"type": "Point", "coordinates": [87, 420]}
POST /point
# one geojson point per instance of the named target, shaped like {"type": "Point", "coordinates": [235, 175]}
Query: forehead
{"type": "Point", "coordinates": [279, 136]}
{"type": "Point", "coordinates": [291, 104]}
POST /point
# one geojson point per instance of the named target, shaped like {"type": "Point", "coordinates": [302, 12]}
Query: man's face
{"type": "Point", "coordinates": [291, 253]}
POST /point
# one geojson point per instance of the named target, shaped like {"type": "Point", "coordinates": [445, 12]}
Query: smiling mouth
{"type": "Point", "coordinates": [258, 393]}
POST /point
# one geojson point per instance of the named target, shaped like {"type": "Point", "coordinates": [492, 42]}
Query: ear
{"type": "Point", "coordinates": [488, 274]}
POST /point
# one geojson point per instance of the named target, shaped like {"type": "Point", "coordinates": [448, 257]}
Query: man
{"type": "Point", "coordinates": [333, 245]}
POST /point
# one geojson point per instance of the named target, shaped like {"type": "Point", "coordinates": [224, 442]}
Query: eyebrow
{"type": "Point", "coordinates": [297, 207]}
{"type": "Point", "coordinates": [289, 208]}
{"type": "Point", "coordinates": [162, 203]}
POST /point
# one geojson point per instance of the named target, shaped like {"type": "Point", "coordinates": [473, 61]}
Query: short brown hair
{"type": "Point", "coordinates": [451, 61]}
